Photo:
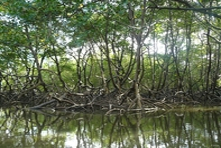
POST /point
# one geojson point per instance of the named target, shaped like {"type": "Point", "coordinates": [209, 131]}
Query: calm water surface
{"type": "Point", "coordinates": [190, 128]}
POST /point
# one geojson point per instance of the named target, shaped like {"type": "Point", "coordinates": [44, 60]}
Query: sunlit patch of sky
{"type": "Point", "coordinates": [9, 19]}
{"type": "Point", "coordinates": [29, 1]}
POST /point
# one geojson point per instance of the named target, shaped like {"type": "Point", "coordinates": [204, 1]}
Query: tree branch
{"type": "Point", "coordinates": [200, 10]}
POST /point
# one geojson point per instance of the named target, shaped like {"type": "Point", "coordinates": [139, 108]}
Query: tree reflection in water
{"type": "Point", "coordinates": [23, 128]}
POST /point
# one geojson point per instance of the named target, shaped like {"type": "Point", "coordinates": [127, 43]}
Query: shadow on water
{"type": "Point", "coordinates": [180, 128]}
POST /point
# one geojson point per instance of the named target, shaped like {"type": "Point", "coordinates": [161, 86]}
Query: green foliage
{"type": "Point", "coordinates": [95, 41]}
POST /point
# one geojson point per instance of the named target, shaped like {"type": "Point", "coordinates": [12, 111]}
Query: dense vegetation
{"type": "Point", "coordinates": [129, 52]}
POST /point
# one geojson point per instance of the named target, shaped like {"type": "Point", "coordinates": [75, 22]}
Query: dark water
{"type": "Point", "coordinates": [190, 128]}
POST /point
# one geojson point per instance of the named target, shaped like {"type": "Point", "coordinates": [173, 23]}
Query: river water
{"type": "Point", "coordinates": [180, 128]}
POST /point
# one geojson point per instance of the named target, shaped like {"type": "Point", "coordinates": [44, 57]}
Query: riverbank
{"type": "Point", "coordinates": [111, 102]}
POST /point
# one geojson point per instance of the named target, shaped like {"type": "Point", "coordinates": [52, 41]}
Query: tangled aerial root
{"type": "Point", "coordinates": [109, 103]}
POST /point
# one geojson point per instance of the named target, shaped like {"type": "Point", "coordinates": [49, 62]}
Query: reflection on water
{"type": "Point", "coordinates": [23, 128]}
